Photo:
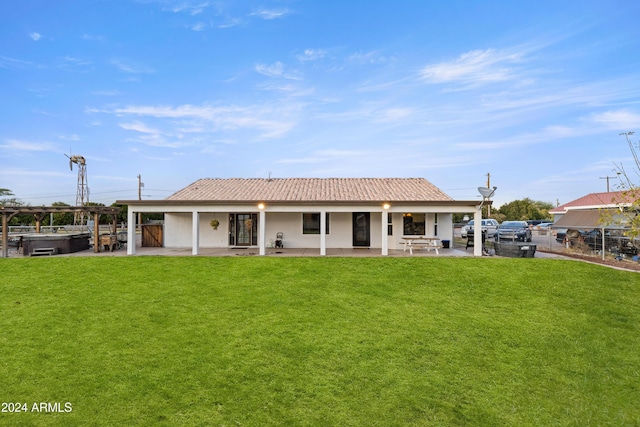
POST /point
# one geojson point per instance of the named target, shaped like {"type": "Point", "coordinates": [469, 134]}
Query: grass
{"type": "Point", "coordinates": [319, 341]}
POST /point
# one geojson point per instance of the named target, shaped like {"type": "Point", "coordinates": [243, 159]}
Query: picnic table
{"type": "Point", "coordinates": [424, 242]}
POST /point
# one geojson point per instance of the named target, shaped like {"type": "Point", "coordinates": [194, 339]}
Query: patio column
{"type": "Point", "coordinates": [131, 232]}
{"type": "Point", "coordinates": [262, 230]}
{"type": "Point", "coordinates": [477, 236]}
{"type": "Point", "coordinates": [96, 232]}
{"type": "Point", "coordinates": [5, 235]}
{"type": "Point", "coordinates": [195, 233]}
{"type": "Point", "coordinates": [385, 238]}
{"type": "Point", "coordinates": [323, 234]}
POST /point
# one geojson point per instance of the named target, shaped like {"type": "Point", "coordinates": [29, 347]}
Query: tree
{"type": "Point", "coordinates": [21, 219]}
{"type": "Point", "coordinates": [629, 200]}
{"type": "Point", "coordinates": [62, 218]}
{"type": "Point", "coordinates": [122, 215]}
{"type": "Point", "coordinates": [525, 209]}
{"type": "Point", "coordinates": [102, 219]}
{"type": "Point", "coordinates": [7, 201]}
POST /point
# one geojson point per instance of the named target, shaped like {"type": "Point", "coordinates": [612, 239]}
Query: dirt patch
{"type": "Point", "coordinates": [610, 261]}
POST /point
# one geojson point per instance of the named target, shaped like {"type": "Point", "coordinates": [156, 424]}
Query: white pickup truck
{"type": "Point", "coordinates": [488, 225]}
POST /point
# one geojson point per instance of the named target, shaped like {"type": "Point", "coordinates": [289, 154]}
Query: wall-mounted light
{"type": "Point", "coordinates": [386, 206]}
{"type": "Point", "coordinates": [261, 206]}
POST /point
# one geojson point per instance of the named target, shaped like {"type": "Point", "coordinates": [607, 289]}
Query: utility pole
{"type": "Point", "coordinates": [607, 178]}
{"type": "Point", "coordinates": [488, 186]}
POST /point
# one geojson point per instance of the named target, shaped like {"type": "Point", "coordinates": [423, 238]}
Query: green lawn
{"type": "Point", "coordinates": [319, 341]}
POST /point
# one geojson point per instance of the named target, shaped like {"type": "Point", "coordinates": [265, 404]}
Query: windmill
{"type": "Point", "coordinates": [82, 193]}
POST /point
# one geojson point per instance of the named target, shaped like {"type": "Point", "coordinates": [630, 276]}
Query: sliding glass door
{"type": "Point", "coordinates": [243, 229]}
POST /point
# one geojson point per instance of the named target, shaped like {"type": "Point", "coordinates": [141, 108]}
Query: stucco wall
{"type": "Point", "coordinates": [178, 230]}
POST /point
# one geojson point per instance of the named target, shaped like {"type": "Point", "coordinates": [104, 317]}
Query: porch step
{"type": "Point", "coordinates": [44, 251]}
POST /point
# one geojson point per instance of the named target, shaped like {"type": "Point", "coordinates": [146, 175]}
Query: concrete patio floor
{"type": "Point", "coordinates": [456, 251]}
{"type": "Point", "coordinates": [286, 252]}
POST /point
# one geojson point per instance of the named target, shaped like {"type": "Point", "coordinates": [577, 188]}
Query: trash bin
{"type": "Point", "coordinates": [445, 244]}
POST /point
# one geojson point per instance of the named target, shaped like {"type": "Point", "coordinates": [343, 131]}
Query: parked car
{"type": "Point", "coordinates": [488, 225]}
{"type": "Point", "coordinates": [543, 226]}
{"type": "Point", "coordinates": [513, 230]}
{"type": "Point", "coordinates": [533, 222]}
{"type": "Point", "coordinates": [614, 240]}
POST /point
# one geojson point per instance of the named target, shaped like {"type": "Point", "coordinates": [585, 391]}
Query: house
{"type": "Point", "coordinates": [593, 201]}
{"type": "Point", "coordinates": [317, 213]}
{"type": "Point", "coordinates": [586, 212]}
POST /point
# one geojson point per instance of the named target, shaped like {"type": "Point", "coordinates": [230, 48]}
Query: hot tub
{"type": "Point", "coordinates": [63, 243]}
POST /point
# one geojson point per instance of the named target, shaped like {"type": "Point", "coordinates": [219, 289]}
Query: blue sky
{"type": "Point", "coordinates": [534, 93]}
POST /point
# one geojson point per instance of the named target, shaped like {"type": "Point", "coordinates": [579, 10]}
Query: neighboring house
{"type": "Point", "coordinates": [310, 212]}
{"type": "Point", "coordinates": [593, 201]}
{"type": "Point", "coordinates": [585, 212]}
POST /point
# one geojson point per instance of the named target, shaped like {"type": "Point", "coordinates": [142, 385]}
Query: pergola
{"type": "Point", "coordinates": [39, 212]}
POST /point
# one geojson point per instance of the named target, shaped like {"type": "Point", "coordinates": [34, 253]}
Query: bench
{"type": "Point", "coordinates": [423, 245]}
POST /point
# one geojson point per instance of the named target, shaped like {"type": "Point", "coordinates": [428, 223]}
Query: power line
{"type": "Point", "coordinates": [92, 193]}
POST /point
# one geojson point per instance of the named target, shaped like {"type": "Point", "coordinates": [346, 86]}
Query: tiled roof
{"type": "Point", "coordinates": [311, 190]}
{"type": "Point", "coordinates": [593, 201]}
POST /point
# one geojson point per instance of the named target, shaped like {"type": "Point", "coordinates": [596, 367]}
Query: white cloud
{"type": "Point", "coordinates": [35, 36]}
{"type": "Point", "coordinates": [476, 66]}
{"type": "Point", "coordinates": [133, 69]}
{"type": "Point", "coordinates": [17, 145]}
{"type": "Point", "coordinates": [138, 127]}
{"type": "Point", "coordinates": [394, 114]}
{"type": "Point", "coordinates": [311, 55]}
{"type": "Point", "coordinates": [363, 58]}
{"type": "Point", "coordinates": [105, 92]}
{"type": "Point", "coordinates": [293, 89]}
{"type": "Point", "coordinates": [6, 62]}
{"type": "Point", "coordinates": [73, 137]}
{"type": "Point", "coordinates": [70, 63]}
{"type": "Point", "coordinates": [269, 14]}
{"type": "Point", "coordinates": [91, 37]}
{"type": "Point", "coordinates": [275, 70]}
{"type": "Point", "coordinates": [621, 120]}
{"type": "Point", "coordinates": [545, 136]}
{"type": "Point", "coordinates": [155, 140]}
{"type": "Point", "coordinates": [322, 156]}
{"type": "Point", "coordinates": [271, 121]}
{"type": "Point", "coordinates": [76, 61]}
{"type": "Point", "coordinates": [230, 23]}
{"type": "Point", "coordinates": [192, 8]}
{"type": "Point", "coordinates": [200, 26]}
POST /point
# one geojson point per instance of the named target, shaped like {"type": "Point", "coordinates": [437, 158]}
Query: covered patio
{"type": "Point", "coordinates": [373, 214]}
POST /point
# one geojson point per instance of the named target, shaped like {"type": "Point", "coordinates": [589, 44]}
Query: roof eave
{"type": "Point", "coordinates": [297, 202]}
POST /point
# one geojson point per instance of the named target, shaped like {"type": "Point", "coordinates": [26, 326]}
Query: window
{"type": "Point", "coordinates": [311, 223]}
{"type": "Point", "coordinates": [435, 225]}
{"type": "Point", "coordinates": [389, 225]}
{"type": "Point", "coordinates": [413, 224]}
